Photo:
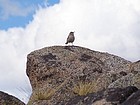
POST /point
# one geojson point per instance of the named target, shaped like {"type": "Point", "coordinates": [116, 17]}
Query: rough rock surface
{"type": "Point", "coordinates": [111, 96]}
{"type": "Point", "coordinates": [6, 99]}
{"type": "Point", "coordinates": [59, 71]}
{"type": "Point", "coordinates": [134, 99]}
{"type": "Point", "coordinates": [125, 81]}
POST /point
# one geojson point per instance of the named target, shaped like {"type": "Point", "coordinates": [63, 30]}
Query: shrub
{"type": "Point", "coordinates": [84, 88]}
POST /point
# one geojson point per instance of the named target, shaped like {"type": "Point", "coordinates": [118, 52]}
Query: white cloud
{"type": "Point", "coordinates": [109, 26]}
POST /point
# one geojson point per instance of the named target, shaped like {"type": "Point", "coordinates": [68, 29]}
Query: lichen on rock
{"type": "Point", "coordinates": [68, 66]}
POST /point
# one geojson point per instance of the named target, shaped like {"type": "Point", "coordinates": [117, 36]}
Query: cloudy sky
{"type": "Point", "coordinates": [111, 26]}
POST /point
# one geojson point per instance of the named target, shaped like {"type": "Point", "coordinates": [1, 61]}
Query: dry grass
{"type": "Point", "coordinates": [48, 93]}
{"type": "Point", "coordinates": [45, 94]}
{"type": "Point", "coordinates": [84, 88]}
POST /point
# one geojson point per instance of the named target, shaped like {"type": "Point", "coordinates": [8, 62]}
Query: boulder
{"type": "Point", "coordinates": [111, 96]}
{"type": "Point", "coordinates": [6, 99]}
{"type": "Point", "coordinates": [61, 72]}
{"type": "Point", "coordinates": [134, 99]}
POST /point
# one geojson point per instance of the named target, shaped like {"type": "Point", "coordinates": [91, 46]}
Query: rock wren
{"type": "Point", "coordinates": [70, 38]}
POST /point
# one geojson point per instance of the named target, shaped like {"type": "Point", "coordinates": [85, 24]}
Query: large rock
{"type": "Point", "coordinates": [133, 99]}
{"type": "Point", "coordinates": [131, 79]}
{"type": "Point", "coordinates": [125, 81]}
{"type": "Point", "coordinates": [59, 73]}
{"type": "Point", "coordinates": [111, 96]}
{"type": "Point", "coordinates": [6, 99]}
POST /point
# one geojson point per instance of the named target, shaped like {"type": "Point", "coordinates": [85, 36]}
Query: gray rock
{"type": "Point", "coordinates": [112, 96]}
{"type": "Point", "coordinates": [134, 99]}
{"type": "Point", "coordinates": [6, 99]}
{"type": "Point", "coordinates": [57, 71]}
{"type": "Point", "coordinates": [135, 67]}
{"type": "Point", "coordinates": [125, 81]}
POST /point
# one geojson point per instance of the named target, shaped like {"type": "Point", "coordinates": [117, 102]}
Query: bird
{"type": "Point", "coordinates": [70, 38]}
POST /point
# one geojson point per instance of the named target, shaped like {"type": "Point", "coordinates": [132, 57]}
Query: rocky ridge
{"type": "Point", "coordinates": [60, 75]}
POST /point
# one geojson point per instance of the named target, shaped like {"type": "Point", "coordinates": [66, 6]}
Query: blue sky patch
{"type": "Point", "coordinates": [15, 13]}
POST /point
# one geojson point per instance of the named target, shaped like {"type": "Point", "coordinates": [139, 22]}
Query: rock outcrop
{"type": "Point", "coordinates": [115, 96]}
{"type": "Point", "coordinates": [6, 99]}
{"type": "Point", "coordinates": [58, 74]}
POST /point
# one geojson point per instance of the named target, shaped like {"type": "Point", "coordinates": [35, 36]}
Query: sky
{"type": "Point", "coordinates": [111, 26]}
{"type": "Point", "coordinates": [20, 13]}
